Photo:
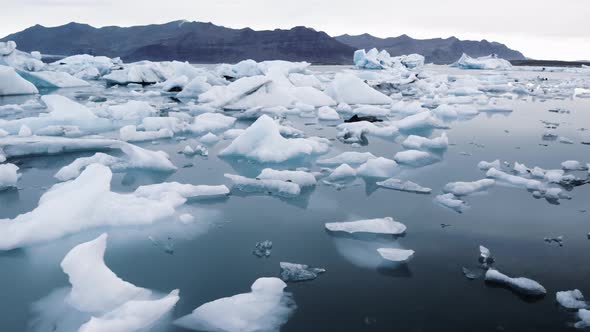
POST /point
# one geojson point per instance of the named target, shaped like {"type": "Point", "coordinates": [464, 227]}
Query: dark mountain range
{"type": "Point", "coordinates": [199, 42]}
{"type": "Point", "coordinates": [436, 50]}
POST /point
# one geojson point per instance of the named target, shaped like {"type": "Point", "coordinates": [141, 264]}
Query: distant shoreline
{"type": "Point", "coordinates": [549, 63]}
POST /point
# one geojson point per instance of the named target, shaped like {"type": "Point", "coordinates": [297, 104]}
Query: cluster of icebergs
{"type": "Point", "coordinates": [240, 112]}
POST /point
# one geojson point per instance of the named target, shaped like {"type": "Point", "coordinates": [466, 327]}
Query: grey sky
{"type": "Point", "coordinates": [545, 29]}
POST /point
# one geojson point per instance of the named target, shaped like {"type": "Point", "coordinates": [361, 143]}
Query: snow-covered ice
{"type": "Point", "coordinates": [521, 285]}
{"type": "Point", "coordinates": [571, 299]}
{"type": "Point", "coordinates": [378, 226]}
{"type": "Point", "coordinates": [409, 186]}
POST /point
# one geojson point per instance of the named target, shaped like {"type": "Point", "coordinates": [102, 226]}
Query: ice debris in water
{"type": "Point", "coordinates": [468, 188]}
{"type": "Point", "coordinates": [341, 173]}
{"type": "Point", "coordinates": [263, 142]}
{"type": "Point", "coordinates": [115, 305]}
{"type": "Point", "coordinates": [266, 308]}
{"type": "Point", "coordinates": [377, 226]}
{"type": "Point", "coordinates": [377, 168]}
{"type": "Point", "coordinates": [452, 202]}
{"type": "Point", "coordinates": [521, 285]}
{"type": "Point", "coordinates": [395, 254]}
{"type": "Point", "coordinates": [291, 272]}
{"type": "Point", "coordinates": [485, 257]}
{"type": "Point", "coordinates": [349, 157]}
{"type": "Point", "coordinates": [12, 84]}
{"type": "Point", "coordinates": [572, 299]}
{"type": "Point", "coordinates": [8, 176]}
{"type": "Point", "coordinates": [423, 143]}
{"type": "Point", "coordinates": [414, 158]}
{"type": "Point", "coordinates": [262, 249]}
{"type": "Point", "coordinates": [558, 240]}
{"type": "Point", "coordinates": [409, 186]}
{"type": "Point", "coordinates": [271, 186]}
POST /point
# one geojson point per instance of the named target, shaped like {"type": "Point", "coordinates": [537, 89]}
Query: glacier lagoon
{"type": "Point", "coordinates": [211, 257]}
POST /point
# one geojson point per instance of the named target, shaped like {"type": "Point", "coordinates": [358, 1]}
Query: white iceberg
{"type": "Point", "coordinates": [273, 186]}
{"type": "Point", "coordinates": [452, 202]}
{"type": "Point", "coordinates": [8, 176]}
{"type": "Point", "coordinates": [327, 113]}
{"type": "Point", "coordinates": [342, 172]}
{"type": "Point", "coordinates": [211, 122]}
{"type": "Point", "coordinates": [522, 285]}
{"type": "Point", "coordinates": [468, 188]}
{"type": "Point", "coordinates": [266, 308]}
{"type": "Point", "coordinates": [377, 168]}
{"type": "Point", "coordinates": [486, 62]}
{"type": "Point", "coordinates": [572, 299]}
{"type": "Point", "coordinates": [130, 134]}
{"type": "Point", "coordinates": [263, 142]}
{"type": "Point", "coordinates": [423, 143]}
{"type": "Point", "coordinates": [301, 178]}
{"type": "Point", "coordinates": [12, 84]}
{"type": "Point", "coordinates": [414, 158]}
{"type": "Point", "coordinates": [409, 186]}
{"type": "Point", "coordinates": [485, 165]}
{"type": "Point", "coordinates": [377, 226]}
{"type": "Point", "coordinates": [349, 89]}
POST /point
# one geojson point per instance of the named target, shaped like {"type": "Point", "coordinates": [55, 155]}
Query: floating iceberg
{"type": "Point", "coordinates": [221, 96]}
{"type": "Point", "coordinates": [273, 186]}
{"type": "Point", "coordinates": [266, 308]}
{"type": "Point", "coordinates": [301, 178]}
{"type": "Point", "coordinates": [263, 142]}
{"type": "Point", "coordinates": [486, 62]}
{"type": "Point", "coordinates": [87, 202]}
{"type": "Point", "coordinates": [378, 226]}
{"type": "Point", "coordinates": [12, 84]}
{"type": "Point", "coordinates": [468, 188]}
{"type": "Point", "coordinates": [291, 272]}
{"type": "Point", "coordinates": [342, 172]}
{"type": "Point", "coordinates": [349, 89]}
{"type": "Point", "coordinates": [373, 59]}
{"type": "Point", "coordinates": [524, 286]}
{"type": "Point", "coordinates": [572, 299]}
{"type": "Point", "coordinates": [211, 122]}
{"type": "Point", "coordinates": [452, 202]}
{"type": "Point", "coordinates": [130, 134]}
{"type": "Point", "coordinates": [395, 254]}
{"type": "Point", "coordinates": [409, 186]}
{"type": "Point", "coordinates": [8, 176]}
{"type": "Point", "coordinates": [327, 113]}
{"type": "Point", "coordinates": [484, 165]}
{"type": "Point", "coordinates": [423, 143]}
{"type": "Point", "coordinates": [514, 180]}
{"type": "Point", "coordinates": [144, 72]}
{"type": "Point", "coordinates": [377, 168]}
{"type": "Point", "coordinates": [414, 158]}
{"type": "Point", "coordinates": [52, 79]}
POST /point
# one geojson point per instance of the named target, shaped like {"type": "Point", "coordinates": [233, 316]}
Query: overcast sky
{"type": "Point", "coordinates": [542, 29]}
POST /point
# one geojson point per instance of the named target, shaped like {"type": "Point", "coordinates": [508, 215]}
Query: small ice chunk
{"type": "Point", "coordinates": [349, 157]}
{"type": "Point", "coordinates": [349, 89]}
{"type": "Point", "coordinates": [301, 178]}
{"type": "Point", "coordinates": [572, 165]}
{"type": "Point", "coordinates": [409, 186]}
{"type": "Point", "coordinates": [468, 188]}
{"type": "Point", "coordinates": [584, 316]}
{"type": "Point", "coordinates": [377, 168]}
{"type": "Point", "coordinates": [514, 180]}
{"type": "Point", "coordinates": [327, 113]}
{"type": "Point", "coordinates": [484, 165]}
{"type": "Point", "coordinates": [12, 84]}
{"type": "Point", "coordinates": [273, 186]}
{"type": "Point", "coordinates": [395, 254]}
{"type": "Point", "coordinates": [572, 299]}
{"type": "Point", "coordinates": [452, 202]}
{"type": "Point", "coordinates": [291, 272]}
{"type": "Point", "coordinates": [522, 285]}
{"type": "Point", "coordinates": [8, 176]}
{"type": "Point", "coordinates": [262, 249]}
{"type": "Point", "coordinates": [209, 139]}
{"type": "Point", "coordinates": [130, 134]}
{"type": "Point", "coordinates": [423, 143]}
{"type": "Point", "coordinates": [414, 158]}
{"type": "Point", "coordinates": [186, 218]}
{"type": "Point", "coordinates": [342, 172]}
{"type": "Point", "coordinates": [378, 226]}
{"type": "Point", "coordinates": [265, 308]}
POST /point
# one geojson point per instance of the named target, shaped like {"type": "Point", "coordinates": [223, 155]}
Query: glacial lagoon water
{"type": "Point", "coordinates": [359, 292]}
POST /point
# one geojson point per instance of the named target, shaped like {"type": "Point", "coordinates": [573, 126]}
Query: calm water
{"type": "Point", "coordinates": [359, 292]}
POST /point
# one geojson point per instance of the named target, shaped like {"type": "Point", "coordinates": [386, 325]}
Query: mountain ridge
{"type": "Point", "coordinates": [205, 42]}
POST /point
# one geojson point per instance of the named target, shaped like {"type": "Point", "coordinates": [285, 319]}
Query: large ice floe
{"type": "Point", "coordinates": [375, 59]}
{"type": "Point", "coordinates": [265, 308]}
{"type": "Point", "coordinates": [262, 142]}
{"type": "Point", "coordinates": [108, 302]}
{"type": "Point", "coordinates": [88, 202]}
{"type": "Point", "coordinates": [521, 285]}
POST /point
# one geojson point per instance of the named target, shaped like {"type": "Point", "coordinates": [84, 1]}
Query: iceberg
{"type": "Point", "coordinates": [486, 62]}
{"type": "Point", "coordinates": [375, 59]}
{"type": "Point", "coordinates": [327, 113]}
{"type": "Point", "coordinates": [273, 186]}
{"type": "Point", "coordinates": [377, 226]}
{"type": "Point", "coordinates": [291, 272]}
{"type": "Point", "coordinates": [301, 178]}
{"type": "Point", "coordinates": [221, 96]}
{"type": "Point", "coordinates": [85, 203]}
{"type": "Point", "coordinates": [95, 288]}
{"type": "Point", "coordinates": [52, 79]}
{"type": "Point", "coordinates": [144, 72]}
{"type": "Point", "coordinates": [584, 319]}
{"type": "Point", "coordinates": [485, 165]}
{"type": "Point", "coordinates": [414, 158]}
{"type": "Point", "coordinates": [12, 84]}
{"type": "Point", "coordinates": [395, 254]}
{"type": "Point", "coordinates": [349, 89]}
{"type": "Point", "coordinates": [572, 299]}
{"type": "Point", "coordinates": [514, 180]}
{"type": "Point", "coordinates": [377, 168]}
{"type": "Point", "coordinates": [468, 188]}
{"type": "Point", "coordinates": [423, 143]}
{"type": "Point", "coordinates": [263, 142]}
{"type": "Point", "coordinates": [521, 285]}
{"type": "Point", "coordinates": [409, 186]}
{"type": "Point", "coordinates": [194, 88]}
{"type": "Point", "coordinates": [342, 172]}
{"type": "Point", "coordinates": [266, 308]}
{"type": "Point", "coordinates": [8, 176]}
{"type": "Point", "coordinates": [211, 122]}
{"type": "Point", "coordinates": [130, 134]}
{"type": "Point", "coordinates": [452, 202]}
